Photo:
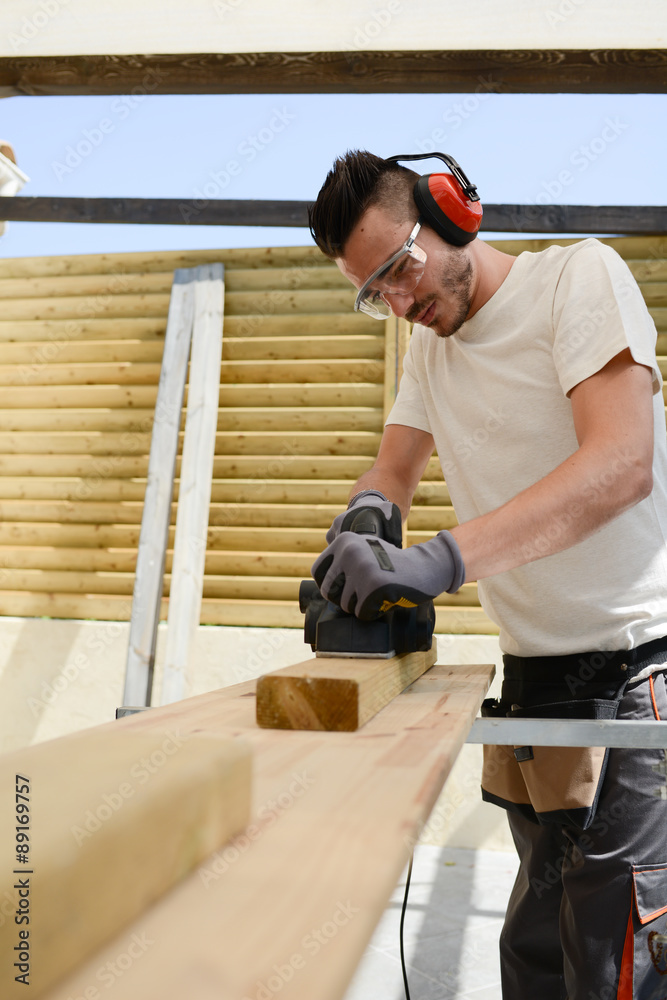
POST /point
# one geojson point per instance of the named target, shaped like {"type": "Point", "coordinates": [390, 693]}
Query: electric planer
{"type": "Point", "coordinates": [330, 631]}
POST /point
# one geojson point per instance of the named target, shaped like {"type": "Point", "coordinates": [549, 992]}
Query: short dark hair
{"type": "Point", "coordinates": [356, 181]}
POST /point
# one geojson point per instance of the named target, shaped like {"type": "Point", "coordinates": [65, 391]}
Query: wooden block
{"type": "Point", "coordinates": [337, 694]}
{"type": "Point", "coordinates": [114, 819]}
{"type": "Point", "coordinates": [335, 816]}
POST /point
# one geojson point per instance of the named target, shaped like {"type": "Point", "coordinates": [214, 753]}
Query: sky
{"type": "Point", "coordinates": [599, 149]}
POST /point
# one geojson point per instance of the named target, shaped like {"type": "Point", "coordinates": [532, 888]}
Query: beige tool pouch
{"type": "Point", "coordinates": [547, 784]}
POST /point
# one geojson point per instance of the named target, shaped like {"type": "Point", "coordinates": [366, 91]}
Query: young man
{"type": "Point", "coordinates": [562, 513]}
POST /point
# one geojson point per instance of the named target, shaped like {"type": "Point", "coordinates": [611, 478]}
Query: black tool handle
{"type": "Point", "coordinates": [371, 521]}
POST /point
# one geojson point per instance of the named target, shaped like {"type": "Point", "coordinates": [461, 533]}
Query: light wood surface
{"type": "Point", "coordinates": [152, 542]}
{"type": "Point", "coordinates": [334, 818]}
{"type": "Point", "coordinates": [187, 576]}
{"type": "Point", "coordinates": [335, 694]}
{"type": "Point", "coordinates": [116, 819]}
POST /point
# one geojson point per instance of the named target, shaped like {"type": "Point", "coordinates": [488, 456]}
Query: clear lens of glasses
{"type": "Point", "coordinates": [398, 276]}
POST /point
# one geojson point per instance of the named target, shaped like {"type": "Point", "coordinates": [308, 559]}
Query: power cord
{"type": "Point", "coordinates": [405, 903]}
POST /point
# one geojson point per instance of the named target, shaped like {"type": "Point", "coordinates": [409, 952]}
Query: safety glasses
{"type": "Point", "coordinates": [398, 276]}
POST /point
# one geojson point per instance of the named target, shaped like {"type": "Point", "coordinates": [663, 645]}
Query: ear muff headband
{"type": "Point", "coordinates": [449, 202]}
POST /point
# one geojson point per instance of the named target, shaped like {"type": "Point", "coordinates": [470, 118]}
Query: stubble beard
{"type": "Point", "coordinates": [456, 283]}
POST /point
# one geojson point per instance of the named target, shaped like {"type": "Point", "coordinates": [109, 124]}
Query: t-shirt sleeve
{"type": "Point", "coordinates": [599, 312]}
{"type": "Point", "coordinates": [408, 408]}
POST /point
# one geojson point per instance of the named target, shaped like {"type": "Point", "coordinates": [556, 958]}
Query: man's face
{"type": "Point", "coordinates": [443, 297]}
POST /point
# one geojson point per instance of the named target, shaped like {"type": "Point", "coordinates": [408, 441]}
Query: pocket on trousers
{"type": "Point", "coordinates": [644, 964]}
{"type": "Point", "coordinates": [548, 784]}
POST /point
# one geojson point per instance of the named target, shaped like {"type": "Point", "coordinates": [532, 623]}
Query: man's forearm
{"type": "Point", "coordinates": [390, 486]}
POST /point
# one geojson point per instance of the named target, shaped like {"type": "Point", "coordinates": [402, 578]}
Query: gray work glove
{"type": "Point", "coordinates": [367, 576]}
{"type": "Point", "coordinates": [391, 529]}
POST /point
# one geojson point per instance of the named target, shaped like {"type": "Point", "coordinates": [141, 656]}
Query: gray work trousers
{"type": "Point", "coordinates": [587, 917]}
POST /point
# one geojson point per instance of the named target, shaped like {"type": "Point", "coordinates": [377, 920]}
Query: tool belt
{"type": "Point", "coordinates": [558, 784]}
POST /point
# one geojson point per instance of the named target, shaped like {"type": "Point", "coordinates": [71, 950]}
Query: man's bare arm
{"type": "Point", "coordinates": [610, 472]}
{"type": "Point", "coordinates": [403, 455]}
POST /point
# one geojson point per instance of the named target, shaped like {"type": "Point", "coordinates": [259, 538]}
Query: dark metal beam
{"type": "Point", "coordinates": [611, 71]}
{"type": "Point", "coordinates": [603, 219]}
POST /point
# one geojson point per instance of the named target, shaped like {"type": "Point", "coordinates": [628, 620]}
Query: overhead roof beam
{"type": "Point", "coordinates": [502, 71]}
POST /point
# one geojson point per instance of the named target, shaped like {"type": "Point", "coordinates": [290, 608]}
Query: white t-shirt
{"type": "Point", "coordinates": [493, 396]}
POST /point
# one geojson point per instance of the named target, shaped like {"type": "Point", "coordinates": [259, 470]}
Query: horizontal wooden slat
{"type": "Point", "coordinates": [648, 270]}
{"type": "Point", "coordinates": [655, 293]}
{"type": "Point", "coordinates": [86, 307]}
{"type": "Point", "coordinates": [430, 519]}
{"type": "Point", "coordinates": [226, 443]}
{"type": "Point", "coordinates": [241, 514]}
{"type": "Point", "coordinates": [96, 468]}
{"type": "Point", "coordinates": [78, 352]}
{"type": "Point", "coordinates": [70, 330]}
{"type": "Point", "coordinates": [283, 348]}
{"type": "Point", "coordinates": [84, 420]}
{"type": "Point", "coordinates": [117, 560]}
{"type": "Point", "coordinates": [342, 418]}
{"type": "Point", "coordinates": [362, 393]}
{"type": "Point", "coordinates": [292, 301]}
{"type": "Point", "coordinates": [127, 536]}
{"type": "Point", "coordinates": [118, 373]}
{"type": "Point", "coordinates": [334, 491]}
{"type": "Point", "coordinates": [346, 323]}
{"type": "Point", "coordinates": [271, 614]}
{"type": "Point", "coordinates": [273, 418]}
{"type": "Point", "coordinates": [161, 260]}
{"type": "Point", "coordinates": [36, 353]}
{"type": "Point", "coordinates": [366, 370]}
{"type": "Point", "coordinates": [69, 285]}
{"type": "Point", "coordinates": [298, 277]}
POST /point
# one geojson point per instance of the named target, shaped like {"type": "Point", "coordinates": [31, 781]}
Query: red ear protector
{"type": "Point", "coordinates": [449, 203]}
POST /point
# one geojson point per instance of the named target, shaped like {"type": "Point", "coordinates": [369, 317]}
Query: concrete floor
{"type": "Point", "coordinates": [456, 908]}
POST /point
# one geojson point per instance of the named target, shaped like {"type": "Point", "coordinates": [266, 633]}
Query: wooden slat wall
{"type": "Point", "coordinates": [301, 413]}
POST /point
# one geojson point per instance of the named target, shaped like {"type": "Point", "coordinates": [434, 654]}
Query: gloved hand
{"type": "Point", "coordinates": [367, 576]}
{"type": "Point", "coordinates": [369, 498]}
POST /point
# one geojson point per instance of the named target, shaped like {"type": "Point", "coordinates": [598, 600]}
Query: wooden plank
{"type": "Point", "coordinates": [611, 219]}
{"type": "Point", "coordinates": [335, 694]}
{"type": "Point", "coordinates": [345, 324]}
{"type": "Point", "coordinates": [49, 397]}
{"type": "Point", "coordinates": [79, 419]}
{"type": "Point", "coordinates": [152, 543]}
{"type": "Point", "coordinates": [347, 370]}
{"type": "Point", "coordinates": [283, 466]}
{"type": "Point", "coordinates": [537, 69]}
{"type": "Point", "coordinates": [372, 792]}
{"type": "Point", "coordinates": [278, 491]}
{"type": "Point", "coordinates": [160, 260]}
{"type": "Point", "coordinates": [40, 353]}
{"type": "Point", "coordinates": [187, 579]}
{"type": "Point", "coordinates": [260, 515]}
{"type": "Point", "coordinates": [92, 864]}
{"type": "Point", "coordinates": [113, 373]}
{"type": "Point", "coordinates": [306, 347]}
{"type": "Point", "coordinates": [287, 418]}
{"type": "Point", "coordinates": [87, 307]}
{"type": "Point", "coordinates": [82, 560]}
{"type": "Point", "coordinates": [70, 330]}
{"type": "Point", "coordinates": [361, 393]}
{"type": "Point", "coordinates": [87, 284]}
